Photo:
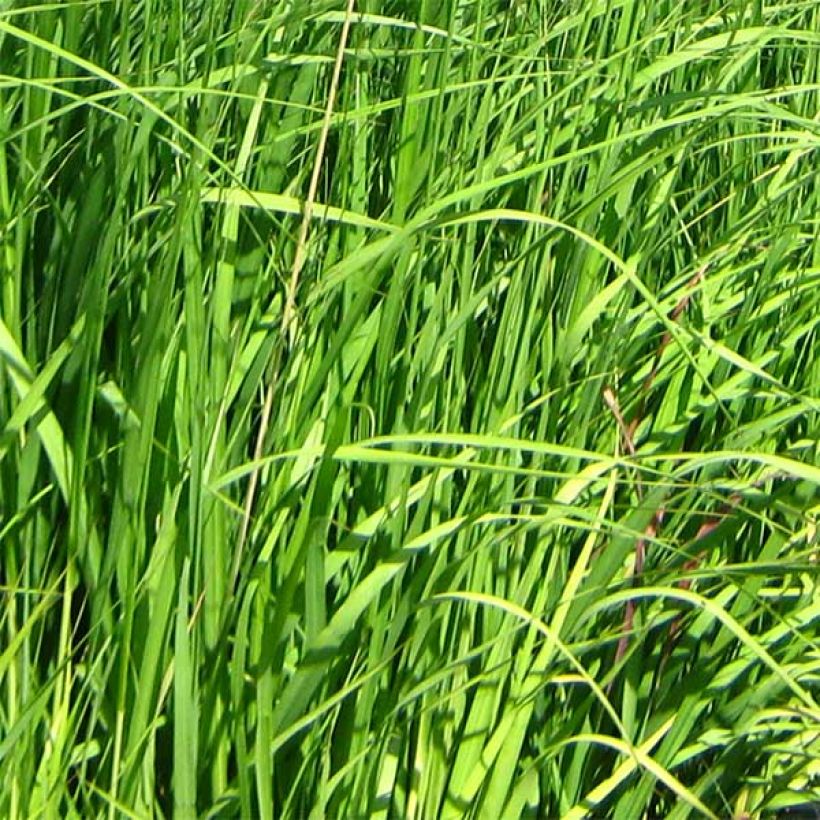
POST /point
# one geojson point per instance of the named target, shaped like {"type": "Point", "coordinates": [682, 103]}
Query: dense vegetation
{"type": "Point", "coordinates": [410, 412]}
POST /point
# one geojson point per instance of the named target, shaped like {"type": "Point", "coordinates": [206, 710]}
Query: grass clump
{"type": "Point", "coordinates": [409, 409]}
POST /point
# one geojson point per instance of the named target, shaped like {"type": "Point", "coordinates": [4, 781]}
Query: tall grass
{"type": "Point", "coordinates": [412, 413]}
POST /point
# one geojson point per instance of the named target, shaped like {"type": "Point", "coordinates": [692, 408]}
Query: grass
{"type": "Point", "coordinates": [409, 413]}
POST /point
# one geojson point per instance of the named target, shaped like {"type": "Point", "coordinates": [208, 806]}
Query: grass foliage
{"type": "Point", "coordinates": [411, 413]}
